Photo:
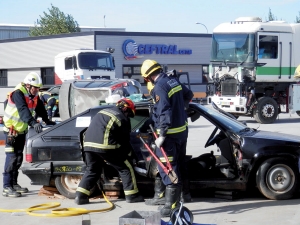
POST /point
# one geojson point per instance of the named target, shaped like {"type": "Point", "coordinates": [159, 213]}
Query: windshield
{"type": "Point", "coordinates": [233, 48]}
{"type": "Point", "coordinates": [228, 123]}
{"type": "Point", "coordinates": [92, 60]}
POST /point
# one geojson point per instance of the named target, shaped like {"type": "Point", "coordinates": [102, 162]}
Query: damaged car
{"type": "Point", "coordinates": [246, 157]}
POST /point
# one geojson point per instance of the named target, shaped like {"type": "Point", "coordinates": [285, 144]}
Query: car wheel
{"type": "Point", "coordinates": [277, 179]}
{"type": "Point", "coordinates": [67, 185]}
{"type": "Point", "coordinates": [298, 113]}
{"type": "Point", "coordinates": [266, 110]}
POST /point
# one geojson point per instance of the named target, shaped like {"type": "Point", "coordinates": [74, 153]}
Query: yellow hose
{"type": "Point", "coordinates": [60, 212]}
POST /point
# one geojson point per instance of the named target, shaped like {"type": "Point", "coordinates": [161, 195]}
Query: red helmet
{"type": "Point", "coordinates": [127, 106]}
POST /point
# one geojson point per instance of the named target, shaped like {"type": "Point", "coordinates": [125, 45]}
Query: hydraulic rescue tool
{"type": "Point", "coordinates": [168, 167]}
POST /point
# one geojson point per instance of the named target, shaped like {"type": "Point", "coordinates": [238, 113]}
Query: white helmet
{"type": "Point", "coordinates": [33, 79]}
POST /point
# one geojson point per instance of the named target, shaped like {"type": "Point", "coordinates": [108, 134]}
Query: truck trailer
{"type": "Point", "coordinates": [252, 67]}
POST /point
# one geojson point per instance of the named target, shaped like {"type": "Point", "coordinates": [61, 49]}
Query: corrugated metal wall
{"type": "Point", "coordinates": [39, 53]}
{"type": "Point", "coordinates": [8, 34]}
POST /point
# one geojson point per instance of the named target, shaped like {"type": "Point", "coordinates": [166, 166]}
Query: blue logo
{"type": "Point", "coordinates": [132, 51]}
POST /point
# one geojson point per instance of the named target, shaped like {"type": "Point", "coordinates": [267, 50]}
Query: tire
{"type": "Point", "coordinates": [298, 113]}
{"type": "Point", "coordinates": [266, 110]}
{"type": "Point", "coordinates": [277, 179]}
{"type": "Point", "coordinates": [67, 185]}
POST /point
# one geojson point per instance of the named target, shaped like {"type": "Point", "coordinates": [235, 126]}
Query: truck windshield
{"type": "Point", "coordinates": [95, 61]}
{"type": "Point", "coordinates": [237, 48]}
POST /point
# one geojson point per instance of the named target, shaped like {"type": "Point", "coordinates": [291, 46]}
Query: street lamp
{"type": "Point", "coordinates": [203, 25]}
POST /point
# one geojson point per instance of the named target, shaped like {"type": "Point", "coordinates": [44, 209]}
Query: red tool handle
{"type": "Point", "coordinates": [162, 150]}
{"type": "Point", "coordinates": [155, 156]}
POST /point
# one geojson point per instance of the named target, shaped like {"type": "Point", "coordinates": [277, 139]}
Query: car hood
{"type": "Point", "coordinates": [277, 136]}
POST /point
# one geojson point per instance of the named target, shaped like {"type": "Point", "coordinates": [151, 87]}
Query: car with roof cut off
{"type": "Point", "coordinates": [247, 157]}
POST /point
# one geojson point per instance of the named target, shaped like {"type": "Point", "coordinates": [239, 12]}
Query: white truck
{"type": "Point", "coordinates": [83, 64]}
{"type": "Point", "coordinates": [252, 67]}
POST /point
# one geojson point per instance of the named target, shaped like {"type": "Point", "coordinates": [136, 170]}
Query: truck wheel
{"type": "Point", "coordinates": [266, 110]}
{"type": "Point", "coordinates": [277, 179]}
{"type": "Point", "coordinates": [67, 185]}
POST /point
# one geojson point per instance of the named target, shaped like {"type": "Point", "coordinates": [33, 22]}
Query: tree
{"type": "Point", "coordinates": [56, 22]}
{"type": "Point", "coordinates": [298, 18]}
{"type": "Point", "coordinates": [271, 16]}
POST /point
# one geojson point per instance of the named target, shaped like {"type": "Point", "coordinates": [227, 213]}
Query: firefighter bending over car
{"type": "Point", "coordinates": [108, 139]}
{"type": "Point", "coordinates": [18, 114]}
{"type": "Point", "coordinates": [170, 122]}
{"type": "Point", "coordinates": [49, 101]}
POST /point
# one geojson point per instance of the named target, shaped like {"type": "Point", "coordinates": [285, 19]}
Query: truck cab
{"type": "Point", "coordinates": [252, 66]}
{"type": "Point", "coordinates": [83, 64]}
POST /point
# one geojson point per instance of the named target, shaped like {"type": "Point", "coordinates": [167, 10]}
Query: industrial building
{"type": "Point", "coordinates": [184, 52]}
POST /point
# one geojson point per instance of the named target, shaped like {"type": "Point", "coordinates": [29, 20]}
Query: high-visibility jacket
{"type": "Point", "coordinates": [109, 129]}
{"type": "Point", "coordinates": [169, 114]}
{"type": "Point", "coordinates": [11, 114]}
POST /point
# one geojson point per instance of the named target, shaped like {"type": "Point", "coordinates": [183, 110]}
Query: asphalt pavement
{"type": "Point", "coordinates": [206, 209]}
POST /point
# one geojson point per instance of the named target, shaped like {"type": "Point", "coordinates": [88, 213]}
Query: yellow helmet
{"type": "Point", "coordinates": [297, 72]}
{"type": "Point", "coordinates": [149, 66]}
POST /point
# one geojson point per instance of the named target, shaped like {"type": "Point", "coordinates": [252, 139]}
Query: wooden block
{"type": "Point", "coordinates": [112, 193]}
{"type": "Point", "coordinates": [48, 188]}
{"type": "Point", "coordinates": [59, 196]}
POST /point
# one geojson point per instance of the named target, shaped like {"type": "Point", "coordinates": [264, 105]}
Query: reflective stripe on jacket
{"type": "Point", "coordinates": [11, 114]}
{"type": "Point", "coordinates": [109, 129]}
{"type": "Point", "coordinates": [169, 113]}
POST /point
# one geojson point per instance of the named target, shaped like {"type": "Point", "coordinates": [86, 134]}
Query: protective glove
{"type": "Point", "coordinates": [159, 141]}
{"type": "Point", "coordinates": [51, 123]}
{"type": "Point", "coordinates": [38, 127]}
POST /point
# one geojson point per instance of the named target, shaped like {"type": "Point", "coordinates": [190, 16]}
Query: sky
{"type": "Point", "coordinates": [174, 16]}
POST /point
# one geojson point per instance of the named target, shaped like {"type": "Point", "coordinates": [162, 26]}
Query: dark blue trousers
{"type": "Point", "coordinates": [13, 160]}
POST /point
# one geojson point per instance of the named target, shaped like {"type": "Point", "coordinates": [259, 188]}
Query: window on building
{"type": "Point", "coordinates": [3, 78]}
{"type": "Point", "coordinates": [205, 73]}
{"type": "Point", "coordinates": [268, 47]}
{"type": "Point", "coordinates": [47, 75]}
{"type": "Point", "coordinates": [133, 72]}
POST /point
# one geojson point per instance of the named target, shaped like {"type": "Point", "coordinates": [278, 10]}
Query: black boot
{"type": "Point", "coordinates": [134, 198]}
{"type": "Point", "coordinates": [16, 186]}
{"type": "Point", "coordinates": [185, 195]}
{"type": "Point", "coordinates": [81, 198]}
{"type": "Point", "coordinates": [20, 189]}
{"type": "Point", "coordinates": [159, 193]}
{"type": "Point", "coordinates": [10, 192]}
{"type": "Point", "coordinates": [172, 197]}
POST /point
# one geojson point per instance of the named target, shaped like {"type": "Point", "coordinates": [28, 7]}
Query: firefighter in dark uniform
{"type": "Point", "coordinates": [170, 122]}
{"type": "Point", "coordinates": [49, 101]}
{"type": "Point", "coordinates": [18, 114]}
{"type": "Point", "coordinates": [108, 138]}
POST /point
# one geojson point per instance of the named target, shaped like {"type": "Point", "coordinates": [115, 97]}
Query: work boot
{"type": "Point", "coordinates": [81, 198]}
{"type": "Point", "coordinates": [159, 193]}
{"type": "Point", "coordinates": [20, 189]}
{"type": "Point", "coordinates": [10, 192]}
{"type": "Point", "coordinates": [185, 195]}
{"type": "Point", "coordinates": [172, 197]}
{"type": "Point", "coordinates": [134, 198]}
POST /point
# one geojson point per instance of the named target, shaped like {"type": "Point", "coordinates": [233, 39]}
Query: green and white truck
{"type": "Point", "coordinates": [252, 67]}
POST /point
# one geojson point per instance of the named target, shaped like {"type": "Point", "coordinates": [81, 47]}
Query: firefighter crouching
{"type": "Point", "coordinates": [49, 101]}
{"type": "Point", "coordinates": [108, 138]}
{"type": "Point", "coordinates": [18, 114]}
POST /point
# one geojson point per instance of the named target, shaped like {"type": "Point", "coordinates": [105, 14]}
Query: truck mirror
{"type": "Point", "coordinates": [74, 64]}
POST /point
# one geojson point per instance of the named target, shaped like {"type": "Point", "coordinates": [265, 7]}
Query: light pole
{"type": "Point", "coordinates": [203, 25]}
